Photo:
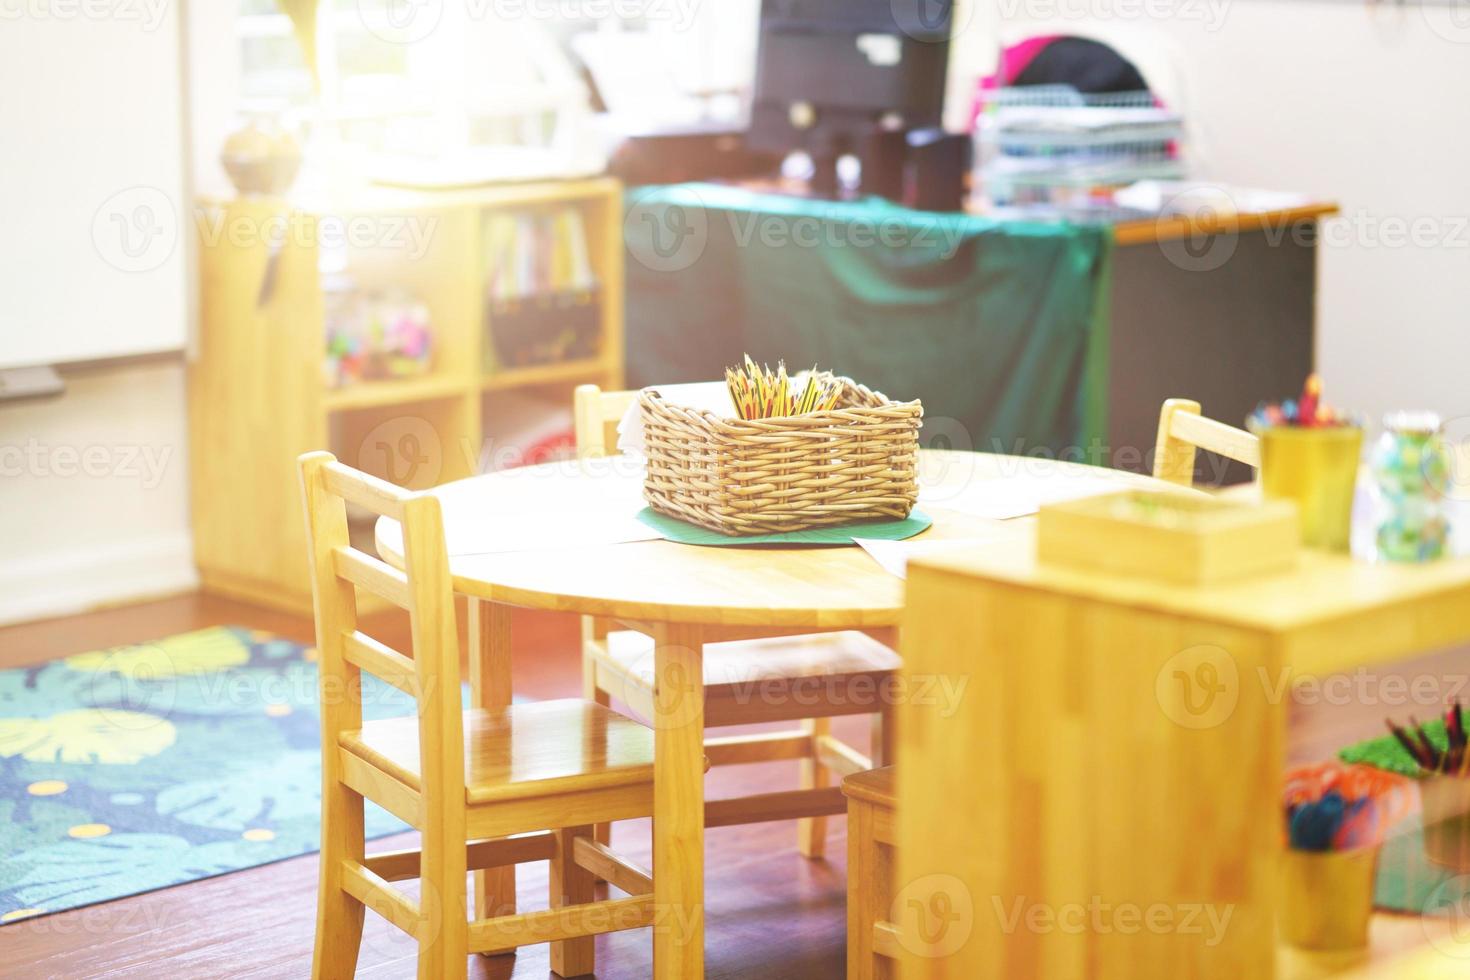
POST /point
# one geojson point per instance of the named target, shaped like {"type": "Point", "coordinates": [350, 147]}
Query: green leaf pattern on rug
{"type": "Point", "coordinates": [286, 790]}
{"type": "Point", "coordinates": [107, 736]}
{"type": "Point", "coordinates": [135, 768]}
{"type": "Point", "coordinates": [80, 872]}
{"type": "Point", "coordinates": [202, 652]}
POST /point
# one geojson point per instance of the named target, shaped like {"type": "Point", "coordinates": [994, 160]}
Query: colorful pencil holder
{"type": "Point", "coordinates": [1326, 898]}
{"type": "Point", "coordinates": [1446, 809]}
{"type": "Point", "coordinates": [1317, 468]}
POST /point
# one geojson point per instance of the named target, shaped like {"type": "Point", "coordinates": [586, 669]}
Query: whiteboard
{"type": "Point", "coordinates": [94, 224]}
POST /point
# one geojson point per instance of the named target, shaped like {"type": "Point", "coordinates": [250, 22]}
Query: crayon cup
{"type": "Point", "coordinates": [1326, 898]}
{"type": "Point", "coordinates": [1317, 468]}
{"type": "Point", "coordinates": [1447, 821]}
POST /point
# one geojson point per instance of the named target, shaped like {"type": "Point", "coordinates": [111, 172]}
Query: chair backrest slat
{"type": "Point", "coordinates": [367, 572]}
{"type": "Point", "coordinates": [1217, 437]}
{"type": "Point", "coordinates": [1183, 430]}
{"type": "Point", "coordinates": [363, 489]}
{"type": "Point", "coordinates": [432, 675]}
{"type": "Point", "coordinates": [596, 414]}
{"type": "Point", "coordinates": [382, 661]}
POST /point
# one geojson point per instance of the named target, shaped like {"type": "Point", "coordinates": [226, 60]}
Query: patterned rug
{"type": "Point", "coordinates": [131, 769]}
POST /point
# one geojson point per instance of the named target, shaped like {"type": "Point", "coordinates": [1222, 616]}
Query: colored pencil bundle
{"type": "Point", "coordinates": [760, 393]}
{"type": "Point", "coordinates": [1453, 759]}
{"type": "Point", "coordinates": [1309, 410]}
{"type": "Point", "coordinates": [1333, 807]}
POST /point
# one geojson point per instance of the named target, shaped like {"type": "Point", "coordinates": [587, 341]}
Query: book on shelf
{"type": "Point", "coordinates": [542, 293]}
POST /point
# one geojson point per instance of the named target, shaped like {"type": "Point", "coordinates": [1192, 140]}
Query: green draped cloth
{"type": "Point", "coordinates": [999, 327]}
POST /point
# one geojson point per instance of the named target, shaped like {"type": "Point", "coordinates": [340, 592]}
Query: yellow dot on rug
{"type": "Point", "coordinates": [278, 710]}
{"type": "Point", "coordinates": [20, 914]}
{"type": "Point", "coordinates": [47, 787]}
{"type": "Point", "coordinates": [309, 654]}
{"type": "Point", "coordinates": [259, 834]}
{"type": "Point", "coordinates": [82, 831]}
{"type": "Point", "coordinates": [259, 636]}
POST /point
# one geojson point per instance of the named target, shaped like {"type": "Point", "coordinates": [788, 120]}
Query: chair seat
{"type": "Point", "coordinates": [780, 658]}
{"type": "Point", "coordinates": [876, 786]}
{"type": "Point", "coordinates": [537, 749]}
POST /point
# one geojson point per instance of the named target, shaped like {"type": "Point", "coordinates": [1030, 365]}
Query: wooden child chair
{"type": "Point", "coordinates": [466, 780]}
{"type": "Point", "coordinates": [835, 673]}
{"type": "Point", "coordinates": [1183, 430]}
{"type": "Point", "coordinates": [872, 941]}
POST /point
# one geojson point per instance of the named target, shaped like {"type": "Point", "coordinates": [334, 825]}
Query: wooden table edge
{"type": "Point", "coordinates": [1173, 227]}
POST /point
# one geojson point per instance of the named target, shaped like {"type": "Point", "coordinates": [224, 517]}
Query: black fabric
{"type": "Point", "coordinates": [1088, 66]}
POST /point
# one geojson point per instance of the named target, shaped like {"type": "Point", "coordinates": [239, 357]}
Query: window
{"type": "Point", "coordinates": [412, 75]}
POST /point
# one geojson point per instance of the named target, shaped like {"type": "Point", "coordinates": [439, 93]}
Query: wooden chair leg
{"type": "Point", "coordinates": [884, 736]}
{"type": "Point", "coordinates": [811, 832]}
{"type": "Point", "coordinates": [860, 891]}
{"type": "Point", "coordinates": [444, 939]}
{"type": "Point", "coordinates": [601, 832]}
{"type": "Point", "coordinates": [338, 915]}
{"type": "Point", "coordinates": [880, 902]}
{"type": "Point", "coordinates": [490, 687]}
{"type": "Point", "coordinates": [571, 884]}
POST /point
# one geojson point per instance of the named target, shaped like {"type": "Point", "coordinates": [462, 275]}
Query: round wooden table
{"type": "Point", "coordinates": [685, 596]}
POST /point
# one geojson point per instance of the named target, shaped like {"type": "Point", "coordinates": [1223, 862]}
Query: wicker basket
{"type": "Point", "coordinates": [855, 462]}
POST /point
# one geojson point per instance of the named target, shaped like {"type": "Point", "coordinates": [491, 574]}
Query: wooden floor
{"type": "Point", "coordinates": [771, 914]}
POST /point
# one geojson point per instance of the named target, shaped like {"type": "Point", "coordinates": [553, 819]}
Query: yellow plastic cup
{"type": "Point", "coordinates": [1446, 810]}
{"type": "Point", "coordinates": [1326, 899]}
{"type": "Point", "coordinates": [1317, 468]}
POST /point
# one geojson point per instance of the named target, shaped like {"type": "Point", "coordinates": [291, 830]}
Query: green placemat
{"type": "Point", "coordinates": [683, 532]}
{"type": "Point", "coordinates": [1407, 880]}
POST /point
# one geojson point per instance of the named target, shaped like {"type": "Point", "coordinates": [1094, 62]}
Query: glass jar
{"type": "Point", "coordinates": [1411, 467]}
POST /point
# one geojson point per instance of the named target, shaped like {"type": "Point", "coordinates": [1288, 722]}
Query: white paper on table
{"type": "Point", "coordinates": [711, 396]}
{"type": "Point", "coordinates": [531, 510]}
{"type": "Point", "coordinates": [1192, 197]}
{"type": "Point", "coordinates": [893, 556]}
{"type": "Point", "coordinates": [1018, 495]}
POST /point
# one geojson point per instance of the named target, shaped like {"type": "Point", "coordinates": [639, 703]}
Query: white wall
{"type": "Point", "coordinates": [92, 264]}
{"type": "Point", "coordinates": [1360, 103]}
{"type": "Point", "coordinates": [94, 502]}
{"type": "Point", "coordinates": [94, 505]}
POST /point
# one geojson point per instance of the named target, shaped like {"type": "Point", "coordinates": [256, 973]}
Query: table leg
{"type": "Point", "coordinates": [678, 800]}
{"type": "Point", "coordinates": [490, 687]}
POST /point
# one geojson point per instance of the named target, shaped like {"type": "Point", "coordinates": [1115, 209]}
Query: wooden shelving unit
{"type": "Point", "coordinates": [257, 391]}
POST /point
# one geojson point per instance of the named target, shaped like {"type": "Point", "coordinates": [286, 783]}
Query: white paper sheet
{"type": "Point", "coordinates": [711, 396]}
{"type": "Point", "coordinates": [1018, 495]}
{"type": "Point", "coordinates": [517, 504]}
{"type": "Point", "coordinates": [893, 556]}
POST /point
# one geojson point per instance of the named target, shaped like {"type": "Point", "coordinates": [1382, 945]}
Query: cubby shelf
{"type": "Point", "coordinates": [397, 391]}
{"type": "Point", "coordinates": [588, 369]}
{"type": "Point", "coordinates": [258, 395]}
